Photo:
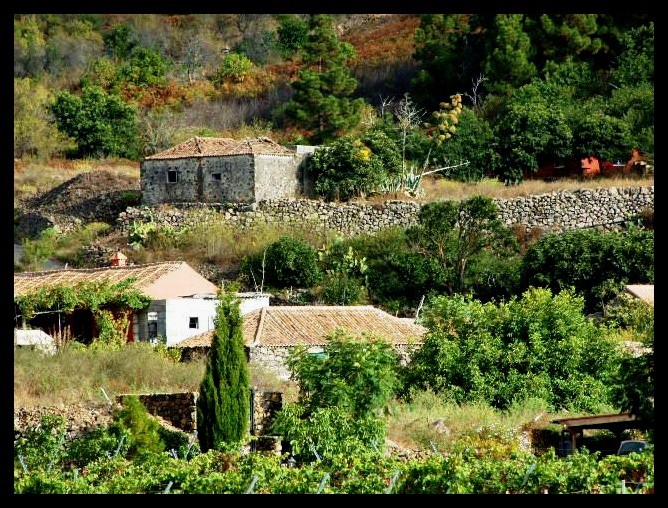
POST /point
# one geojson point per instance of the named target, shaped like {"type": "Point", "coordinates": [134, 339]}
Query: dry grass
{"type": "Point", "coordinates": [438, 188]}
{"type": "Point", "coordinates": [76, 375]}
{"type": "Point", "coordinates": [431, 422]}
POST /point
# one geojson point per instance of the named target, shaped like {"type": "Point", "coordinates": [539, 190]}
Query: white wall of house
{"type": "Point", "coordinates": [187, 317]}
{"type": "Point", "coordinates": [178, 319]}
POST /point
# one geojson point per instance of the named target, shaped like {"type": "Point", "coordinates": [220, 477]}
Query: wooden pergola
{"type": "Point", "coordinates": [617, 423]}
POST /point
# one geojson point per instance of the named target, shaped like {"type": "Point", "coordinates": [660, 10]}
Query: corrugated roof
{"type": "Point", "coordinates": [310, 325]}
{"type": "Point", "coordinates": [643, 291]}
{"type": "Point", "coordinates": [147, 276]}
{"type": "Point", "coordinates": [211, 147]}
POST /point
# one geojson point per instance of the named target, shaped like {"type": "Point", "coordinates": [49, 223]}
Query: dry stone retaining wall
{"type": "Point", "coordinates": [560, 210]}
{"type": "Point", "coordinates": [178, 410]}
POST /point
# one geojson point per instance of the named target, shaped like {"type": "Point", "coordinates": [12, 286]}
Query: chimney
{"type": "Point", "coordinates": [118, 259]}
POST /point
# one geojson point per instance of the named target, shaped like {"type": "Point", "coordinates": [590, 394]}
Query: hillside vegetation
{"type": "Point", "coordinates": [450, 110]}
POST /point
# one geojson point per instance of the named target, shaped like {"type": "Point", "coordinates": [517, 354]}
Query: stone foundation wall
{"type": "Point", "coordinates": [273, 358]}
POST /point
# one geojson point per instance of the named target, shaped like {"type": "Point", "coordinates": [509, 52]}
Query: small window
{"type": "Point", "coordinates": [172, 176]}
{"type": "Point", "coordinates": [216, 176]}
{"type": "Point", "coordinates": [194, 322]}
{"type": "Point", "coordinates": [152, 330]}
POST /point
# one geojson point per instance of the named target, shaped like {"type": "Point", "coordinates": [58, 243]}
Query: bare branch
{"type": "Point", "coordinates": [476, 84]}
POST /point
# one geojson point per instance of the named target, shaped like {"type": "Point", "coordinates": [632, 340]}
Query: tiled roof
{"type": "Point", "coordinates": [310, 325]}
{"type": "Point", "coordinates": [643, 291]}
{"type": "Point", "coordinates": [146, 275]}
{"type": "Point", "coordinates": [210, 147]}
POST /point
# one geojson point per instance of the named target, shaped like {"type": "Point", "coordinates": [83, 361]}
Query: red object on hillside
{"type": "Point", "coordinates": [588, 167]}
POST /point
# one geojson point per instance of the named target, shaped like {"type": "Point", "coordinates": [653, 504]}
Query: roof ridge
{"type": "Point", "coordinates": [324, 307]}
{"type": "Point", "coordinates": [260, 327]}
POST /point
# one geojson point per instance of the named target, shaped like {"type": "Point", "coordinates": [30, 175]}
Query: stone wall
{"type": "Point", "coordinates": [178, 410]}
{"type": "Point", "coordinates": [276, 176]}
{"type": "Point", "coordinates": [560, 211]}
{"type": "Point", "coordinates": [273, 358]}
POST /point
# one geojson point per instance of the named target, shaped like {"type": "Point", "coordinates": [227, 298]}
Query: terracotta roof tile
{"type": "Point", "coordinates": [210, 147]}
{"type": "Point", "coordinates": [310, 325]}
{"type": "Point", "coordinates": [146, 275]}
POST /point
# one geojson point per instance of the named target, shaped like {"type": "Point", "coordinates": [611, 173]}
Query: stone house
{"type": "Point", "coordinates": [183, 302]}
{"type": "Point", "coordinates": [271, 332]}
{"type": "Point", "coordinates": [223, 170]}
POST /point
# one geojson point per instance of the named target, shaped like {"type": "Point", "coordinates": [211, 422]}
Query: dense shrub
{"type": "Point", "coordinates": [287, 262]}
{"type": "Point", "coordinates": [596, 263]}
{"type": "Point", "coordinates": [144, 430]}
{"type": "Point", "coordinates": [539, 345]}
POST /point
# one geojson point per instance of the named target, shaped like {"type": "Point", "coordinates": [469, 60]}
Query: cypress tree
{"type": "Point", "coordinates": [223, 405]}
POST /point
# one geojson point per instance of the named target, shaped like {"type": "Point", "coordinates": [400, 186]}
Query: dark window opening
{"type": "Point", "coordinates": [172, 176]}
{"type": "Point", "coordinates": [194, 322]}
{"type": "Point", "coordinates": [216, 176]}
{"type": "Point", "coordinates": [152, 330]}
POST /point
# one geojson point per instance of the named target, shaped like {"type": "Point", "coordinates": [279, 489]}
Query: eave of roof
{"type": "Point", "coordinates": [147, 274]}
{"type": "Point", "coordinates": [604, 421]}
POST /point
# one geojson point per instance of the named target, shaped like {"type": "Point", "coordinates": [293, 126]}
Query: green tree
{"type": "Point", "coordinates": [453, 235]}
{"type": "Point", "coordinates": [145, 67]}
{"type": "Point", "coordinates": [449, 49]}
{"type": "Point", "coordinates": [344, 280]}
{"type": "Point", "coordinates": [634, 384]}
{"type": "Point", "coordinates": [284, 263]}
{"type": "Point", "coordinates": [144, 431]}
{"type": "Point", "coordinates": [634, 106]}
{"type": "Point", "coordinates": [580, 80]}
{"type": "Point", "coordinates": [563, 37]}
{"type": "Point", "coordinates": [35, 131]}
{"type": "Point", "coordinates": [540, 345]}
{"type": "Point", "coordinates": [599, 134]}
{"type": "Point", "coordinates": [358, 375]}
{"type": "Point", "coordinates": [321, 103]}
{"type": "Point", "coordinates": [636, 62]}
{"type": "Point", "coordinates": [234, 69]}
{"type": "Point", "coordinates": [223, 405]}
{"type": "Point", "coordinates": [474, 142]}
{"type": "Point", "coordinates": [595, 263]}
{"type": "Point", "coordinates": [341, 394]}
{"type": "Point", "coordinates": [292, 32]}
{"type": "Point", "coordinates": [354, 165]}
{"type": "Point", "coordinates": [532, 129]}
{"type": "Point", "coordinates": [119, 41]}
{"type": "Point", "coordinates": [510, 63]}
{"type": "Point", "coordinates": [102, 72]}
{"type": "Point", "coordinates": [102, 124]}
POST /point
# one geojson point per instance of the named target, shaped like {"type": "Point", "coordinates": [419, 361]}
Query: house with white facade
{"type": "Point", "coordinates": [182, 302]}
